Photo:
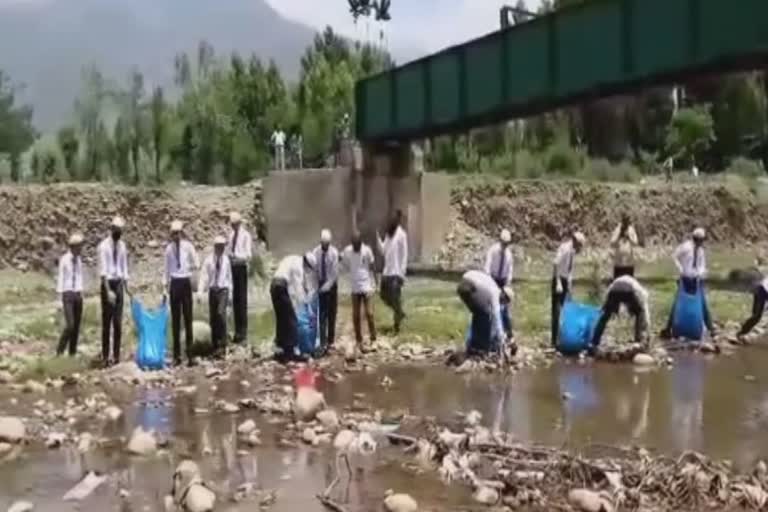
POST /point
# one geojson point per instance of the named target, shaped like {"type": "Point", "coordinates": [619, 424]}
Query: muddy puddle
{"type": "Point", "coordinates": [718, 406]}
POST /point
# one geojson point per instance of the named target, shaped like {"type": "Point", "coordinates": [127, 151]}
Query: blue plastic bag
{"type": "Point", "coordinates": [688, 316]}
{"type": "Point", "coordinates": [151, 327]}
{"type": "Point", "coordinates": [577, 324]}
{"type": "Point", "coordinates": [306, 319]}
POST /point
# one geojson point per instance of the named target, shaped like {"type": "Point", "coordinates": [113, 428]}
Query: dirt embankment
{"type": "Point", "coordinates": [37, 220]}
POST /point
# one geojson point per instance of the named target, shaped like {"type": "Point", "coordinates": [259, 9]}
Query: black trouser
{"type": "Point", "coordinates": [623, 270]}
{"type": "Point", "coordinates": [111, 318]}
{"type": "Point", "coordinates": [482, 320]}
{"type": "Point", "coordinates": [690, 285]}
{"type": "Point", "coordinates": [558, 299]}
{"type": "Point", "coordinates": [72, 303]}
{"type": "Point", "coordinates": [240, 300]}
{"type": "Point", "coordinates": [392, 295]}
{"type": "Point", "coordinates": [218, 300]}
{"type": "Point", "coordinates": [611, 307]}
{"type": "Point", "coordinates": [328, 304]}
{"type": "Point", "coordinates": [760, 297]}
{"type": "Point", "coordinates": [363, 301]}
{"type": "Point", "coordinates": [181, 305]}
{"type": "Point", "coordinates": [286, 327]}
{"type": "Point", "coordinates": [506, 319]}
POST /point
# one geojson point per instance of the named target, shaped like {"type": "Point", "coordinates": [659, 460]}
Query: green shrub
{"type": "Point", "coordinates": [564, 160]}
{"type": "Point", "coordinates": [745, 168]}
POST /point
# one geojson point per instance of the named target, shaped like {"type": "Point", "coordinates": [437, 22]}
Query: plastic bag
{"type": "Point", "coordinates": [151, 327]}
{"type": "Point", "coordinates": [688, 316]}
{"type": "Point", "coordinates": [306, 319]}
{"type": "Point", "coordinates": [577, 324]}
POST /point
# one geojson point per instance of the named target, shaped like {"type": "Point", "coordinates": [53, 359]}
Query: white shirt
{"type": "Point", "coordinates": [564, 260]}
{"type": "Point", "coordinates": [111, 267]}
{"type": "Point", "coordinates": [331, 258]}
{"type": "Point", "coordinates": [494, 267]}
{"type": "Point", "coordinates": [624, 246]}
{"type": "Point", "coordinates": [395, 252]}
{"type": "Point", "coordinates": [181, 265]}
{"type": "Point", "coordinates": [488, 294]}
{"type": "Point", "coordinates": [243, 246]}
{"type": "Point", "coordinates": [630, 284]}
{"type": "Point", "coordinates": [684, 260]}
{"type": "Point", "coordinates": [70, 278]}
{"type": "Point", "coordinates": [278, 138]}
{"type": "Point", "coordinates": [208, 277]}
{"type": "Point", "coordinates": [358, 265]}
{"type": "Point", "coordinates": [765, 284]}
{"type": "Point", "coordinates": [291, 268]}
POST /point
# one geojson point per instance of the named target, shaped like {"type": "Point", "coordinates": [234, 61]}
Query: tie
{"type": "Point", "coordinates": [695, 258]}
{"type": "Point", "coordinates": [114, 254]}
{"type": "Point", "coordinates": [178, 255]}
{"type": "Point", "coordinates": [500, 270]}
{"type": "Point", "coordinates": [234, 239]}
{"type": "Point", "coordinates": [322, 266]}
{"type": "Point", "coordinates": [216, 277]}
{"type": "Point", "coordinates": [570, 263]}
{"type": "Point", "coordinates": [74, 273]}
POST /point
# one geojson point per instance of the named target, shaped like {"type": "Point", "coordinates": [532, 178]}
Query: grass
{"type": "Point", "coordinates": [52, 367]}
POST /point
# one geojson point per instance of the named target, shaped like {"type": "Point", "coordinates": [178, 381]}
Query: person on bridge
{"type": "Point", "coordinates": [289, 290]}
{"type": "Point", "coordinates": [690, 260]}
{"type": "Point", "coordinates": [327, 257]}
{"type": "Point", "coordinates": [562, 277]}
{"type": "Point", "coordinates": [357, 261]}
{"type": "Point", "coordinates": [70, 286]}
{"type": "Point", "coordinates": [499, 263]}
{"type": "Point", "coordinates": [216, 279]}
{"type": "Point", "coordinates": [760, 297]}
{"type": "Point", "coordinates": [278, 144]}
{"type": "Point", "coordinates": [180, 263]}
{"type": "Point", "coordinates": [623, 243]}
{"type": "Point", "coordinates": [113, 268]}
{"type": "Point", "coordinates": [240, 252]}
{"type": "Point", "coordinates": [394, 248]}
{"type": "Point", "coordinates": [482, 297]}
{"type": "Point", "coordinates": [624, 290]}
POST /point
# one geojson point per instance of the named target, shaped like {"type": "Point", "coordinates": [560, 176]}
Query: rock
{"type": "Point", "coordinates": [344, 439]}
{"type": "Point", "coordinates": [142, 442]}
{"type": "Point", "coordinates": [486, 495]}
{"type": "Point", "coordinates": [329, 419]}
{"type": "Point", "coordinates": [5, 377]}
{"type": "Point", "coordinates": [199, 499]}
{"type": "Point", "coordinates": [113, 413]}
{"type": "Point", "coordinates": [5, 449]}
{"type": "Point", "coordinates": [588, 501]}
{"type": "Point", "coordinates": [709, 348]}
{"type": "Point", "coordinates": [473, 418]}
{"type": "Point", "coordinates": [85, 488]}
{"type": "Point", "coordinates": [12, 430]}
{"type": "Point", "coordinates": [127, 372]}
{"type": "Point", "coordinates": [21, 506]}
{"type": "Point", "coordinates": [309, 435]}
{"type": "Point", "coordinates": [33, 386]}
{"type": "Point", "coordinates": [246, 427]}
{"type": "Point", "coordinates": [189, 488]}
{"type": "Point", "coordinates": [201, 332]}
{"type": "Point", "coordinates": [761, 469]}
{"type": "Point", "coordinates": [643, 360]}
{"type": "Point", "coordinates": [55, 440]}
{"type": "Point", "coordinates": [253, 439]}
{"type": "Point", "coordinates": [85, 442]}
{"type": "Point", "coordinates": [400, 503]}
{"type": "Point", "coordinates": [308, 403]}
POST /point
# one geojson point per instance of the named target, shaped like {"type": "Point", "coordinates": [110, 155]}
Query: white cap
{"type": "Point", "coordinates": [505, 236]}
{"type": "Point", "coordinates": [118, 222]}
{"type": "Point", "coordinates": [325, 236]}
{"type": "Point", "coordinates": [176, 226]}
{"type": "Point", "coordinates": [699, 233]}
{"type": "Point", "coordinates": [309, 259]}
{"type": "Point", "coordinates": [235, 217]}
{"type": "Point", "coordinates": [75, 238]}
{"type": "Point", "coordinates": [580, 238]}
{"type": "Point", "coordinates": [219, 240]}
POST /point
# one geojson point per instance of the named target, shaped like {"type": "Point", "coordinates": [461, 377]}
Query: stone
{"type": "Point", "coordinates": [85, 488]}
{"type": "Point", "coordinates": [142, 442]}
{"type": "Point", "coordinates": [308, 403]}
{"type": "Point", "coordinates": [12, 430]}
{"type": "Point", "coordinates": [400, 503]}
{"type": "Point", "coordinates": [6, 377]}
{"type": "Point", "coordinates": [5, 449]}
{"type": "Point", "coordinates": [55, 440]}
{"type": "Point", "coordinates": [201, 332]}
{"type": "Point", "coordinates": [473, 418]}
{"type": "Point", "coordinates": [643, 360]}
{"type": "Point", "coordinates": [188, 485]}
{"type": "Point", "coordinates": [309, 435]}
{"type": "Point", "coordinates": [33, 386]}
{"type": "Point", "coordinates": [344, 439]}
{"type": "Point", "coordinates": [113, 413]}
{"type": "Point", "coordinates": [329, 419]}
{"type": "Point", "coordinates": [246, 427]}
{"type": "Point", "coordinates": [21, 506]}
{"type": "Point", "coordinates": [253, 439]}
{"type": "Point", "coordinates": [486, 495]}
{"type": "Point", "coordinates": [84, 442]}
{"type": "Point", "coordinates": [585, 500]}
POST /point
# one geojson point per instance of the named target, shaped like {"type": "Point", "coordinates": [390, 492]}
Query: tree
{"type": "Point", "coordinates": [35, 165]}
{"type": "Point", "coordinates": [691, 132]}
{"type": "Point", "coordinates": [16, 130]}
{"type": "Point", "coordinates": [69, 145]}
{"type": "Point", "coordinates": [136, 121]}
{"type": "Point", "coordinates": [89, 107]}
{"type": "Point", "coordinates": [121, 145]}
{"type": "Point", "coordinates": [158, 128]}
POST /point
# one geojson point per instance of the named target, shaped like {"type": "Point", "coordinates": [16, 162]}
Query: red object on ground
{"type": "Point", "coordinates": [305, 378]}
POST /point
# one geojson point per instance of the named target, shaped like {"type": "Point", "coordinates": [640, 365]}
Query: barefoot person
{"type": "Point", "coordinates": [394, 249]}
{"type": "Point", "coordinates": [628, 291]}
{"type": "Point", "coordinates": [180, 263]}
{"type": "Point", "coordinates": [499, 264]}
{"type": "Point", "coordinates": [216, 280]}
{"type": "Point", "coordinates": [482, 297]}
{"type": "Point", "coordinates": [289, 290]}
{"type": "Point", "coordinates": [562, 277]}
{"type": "Point", "coordinates": [240, 252]}
{"type": "Point", "coordinates": [327, 272]}
{"type": "Point", "coordinates": [760, 297]}
{"type": "Point", "coordinates": [70, 286]}
{"type": "Point", "coordinates": [113, 268]}
{"type": "Point", "coordinates": [357, 260]}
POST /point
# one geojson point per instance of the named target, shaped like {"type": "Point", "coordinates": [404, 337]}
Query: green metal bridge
{"type": "Point", "coordinates": [581, 52]}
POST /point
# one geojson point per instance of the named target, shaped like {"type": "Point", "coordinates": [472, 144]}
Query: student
{"type": "Point", "coordinates": [760, 297]}
{"type": "Point", "coordinates": [70, 286]}
{"type": "Point", "coordinates": [240, 252]}
{"type": "Point", "coordinates": [499, 264]}
{"type": "Point", "coordinates": [623, 243]}
{"type": "Point", "coordinates": [482, 297]}
{"type": "Point", "coordinates": [562, 277]}
{"type": "Point", "coordinates": [113, 268]}
{"type": "Point", "coordinates": [180, 263]}
{"type": "Point", "coordinates": [327, 273]}
{"type": "Point", "coordinates": [289, 290]}
{"type": "Point", "coordinates": [628, 291]}
{"type": "Point", "coordinates": [394, 249]}
{"type": "Point", "coordinates": [357, 260]}
{"type": "Point", "coordinates": [216, 279]}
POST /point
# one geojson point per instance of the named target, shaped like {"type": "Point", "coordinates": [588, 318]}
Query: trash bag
{"type": "Point", "coordinates": [151, 327]}
{"type": "Point", "coordinates": [577, 324]}
{"type": "Point", "coordinates": [688, 316]}
{"type": "Point", "coordinates": [306, 320]}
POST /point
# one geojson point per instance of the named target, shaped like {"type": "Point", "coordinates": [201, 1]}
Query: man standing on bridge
{"type": "Point", "coordinates": [180, 263]}
{"type": "Point", "coordinates": [240, 250]}
{"type": "Point", "coordinates": [327, 270]}
{"type": "Point", "coordinates": [113, 267]}
{"type": "Point", "coordinates": [394, 248]}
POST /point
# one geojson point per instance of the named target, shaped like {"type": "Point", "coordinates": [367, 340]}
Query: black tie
{"type": "Point", "coordinates": [500, 271]}
{"type": "Point", "coordinates": [570, 263]}
{"type": "Point", "coordinates": [114, 253]}
{"type": "Point", "coordinates": [178, 255]}
{"type": "Point", "coordinates": [234, 239]}
{"type": "Point", "coordinates": [216, 277]}
{"type": "Point", "coordinates": [74, 272]}
{"type": "Point", "coordinates": [695, 258]}
{"type": "Point", "coordinates": [322, 266]}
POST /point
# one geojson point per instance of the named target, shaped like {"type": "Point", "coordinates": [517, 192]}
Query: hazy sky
{"type": "Point", "coordinates": [426, 25]}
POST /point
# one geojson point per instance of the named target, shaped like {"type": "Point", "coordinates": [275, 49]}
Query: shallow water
{"type": "Point", "coordinates": [701, 403]}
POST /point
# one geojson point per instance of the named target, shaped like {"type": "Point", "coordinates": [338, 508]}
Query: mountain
{"type": "Point", "coordinates": [45, 44]}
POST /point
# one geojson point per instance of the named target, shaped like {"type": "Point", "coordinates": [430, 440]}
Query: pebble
{"type": "Point", "coordinates": [246, 427]}
{"type": "Point", "coordinates": [113, 413]}
{"type": "Point", "coordinates": [329, 419]}
{"type": "Point", "coordinates": [12, 430]}
{"type": "Point", "coordinates": [588, 501]}
{"type": "Point", "coordinates": [643, 360]}
{"type": "Point", "coordinates": [142, 442]}
{"type": "Point", "coordinates": [400, 503]}
{"type": "Point", "coordinates": [486, 495]}
{"type": "Point", "coordinates": [21, 506]}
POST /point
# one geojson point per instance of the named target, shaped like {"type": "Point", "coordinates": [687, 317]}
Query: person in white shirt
{"type": "Point", "coordinates": [216, 279]}
{"type": "Point", "coordinates": [623, 243]}
{"type": "Point", "coordinates": [113, 269]}
{"type": "Point", "coordinates": [290, 288]}
{"type": "Point", "coordinates": [691, 262]}
{"type": "Point", "coordinates": [394, 249]}
{"type": "Point", "coordinates": [760, 297]}
{"type": "Point", "coordinates": [499, 263]}
{"type": "Point", "coordinates": [357, 260]}
{"type": "Point", "coordinates": [562, 277]}
{"type": "Point", "coordinates": [70, 286]}
{"type": "Point", "coordinates": [482, 296]}
{"type": "Point", "coordinates": [327, 273]}
{"type": "Point", "coordinates": [240, 251]}
{"type": "Point", "coordinates": [278, 143]}
{"type": "Point", "coordinates": [180, 263]}
{"type": "Point", "coordinates": [628, 291]}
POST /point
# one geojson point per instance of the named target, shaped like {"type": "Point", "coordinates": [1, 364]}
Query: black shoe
{"type": "Point", "coordinates": [177, 361]}
{"type": "Point", "coordinates": [666, 334]}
